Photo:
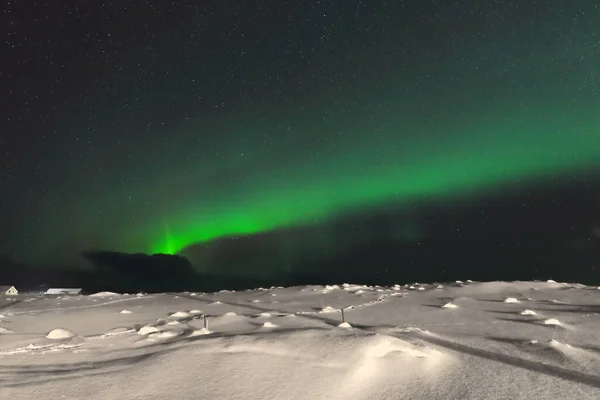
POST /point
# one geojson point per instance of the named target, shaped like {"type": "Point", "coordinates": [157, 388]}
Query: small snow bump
{"type": "Point", "coordinates": [195, 312]}
{"type": "Point", "coordinates": [200, 332]}
{"type": "Point", "coordinates": [126, 312]}
{"type": "Point", "coordinates": [552, 321]}
{"type": "Point", "coordinates": [327, 309]}
{"type": "Point", "coordinates": [180, 314]}
{"type": "Point", "coordinates": [550, 281]}
{"type": "Point", "coordinates": [265, 315]}
{"type": "Point", "coordinates": [511, 300]}
{"type": "Point", "coordinates": [421, 288]}
{"type": "Point", "coordinates": [59, 333]}
{"type": "Point", "coordinates": [269, 325]}
{"type": "Point", "coordinates": [164, 335]}
{"type": "Point", "coordinates": [230, 314]}
{"type": "Point", "coordinates": [439, 287]}
{"type": "Point", "coordinates": [528, 312]}
{"type": "Point", "coordinates": [4, 331]}
{"type": "Point", "coordinates": [104, 294]}
{"type": "Point", "coordinates": [450, 305]}
{"type": "Point", "coordinates": [148, 329]}
{"type": "Point", "coordinates": [344, 325]}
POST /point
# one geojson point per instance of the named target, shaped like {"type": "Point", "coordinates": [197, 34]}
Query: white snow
{"type": "Point", "coordinates": [104, 294]}
{"type": "Point", "coordinates": [126, 312]}
{"type": "Point", "coordinates": [396, 346]}
{"type": "Point", "coordinates": [528, 312]}
{"type": "Point", "coordinates": [450, 305]}
{"type": "Point", "coordinates": [552, 321]}
{"type": "Point", "coordinates": [60, 333]}
{"type": "Point", "coordinates": [147, 330]}
{"type": "Point", "coordinates": [181, 314]}
{"type": "Point", "coordinates": [511, 300]}
{"type": "Point", "coordinates": [200, 332]}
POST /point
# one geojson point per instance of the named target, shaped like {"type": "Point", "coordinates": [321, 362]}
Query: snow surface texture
{"type": "Point", "coordinates": [451, 341]}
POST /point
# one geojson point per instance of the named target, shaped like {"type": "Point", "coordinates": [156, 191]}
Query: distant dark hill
{"type": "Point", "coordinates": [133, 272]}
{"type": "Point", "coordinates": [528, 234]}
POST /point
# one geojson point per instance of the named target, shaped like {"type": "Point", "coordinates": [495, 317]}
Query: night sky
{"type": "Point", "coordinates": [314, 126]}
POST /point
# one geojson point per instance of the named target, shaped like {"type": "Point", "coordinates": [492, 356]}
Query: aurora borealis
{"type": "Point", "coordinates": [156, 127]}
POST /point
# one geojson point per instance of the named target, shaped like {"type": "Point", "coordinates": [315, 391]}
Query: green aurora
{"type": "Point", "coordinates": [189, 141]}
{"type": "Point", "coordinates": [465, 161]}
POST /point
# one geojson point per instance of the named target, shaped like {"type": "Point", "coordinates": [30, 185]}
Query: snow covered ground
{"type": "Point", "coordinates": [468, 340]}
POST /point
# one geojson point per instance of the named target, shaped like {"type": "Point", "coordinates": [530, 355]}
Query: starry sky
{"type": "Point", "coordinates": [152, 127]}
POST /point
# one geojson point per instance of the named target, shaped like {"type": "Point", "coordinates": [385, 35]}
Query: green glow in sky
{"type": "Point", "coordinates": [465, 160]}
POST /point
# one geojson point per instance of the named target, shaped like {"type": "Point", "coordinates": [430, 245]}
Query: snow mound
{"type": "Point", "coordinates": [230, 314]}
{"type": "Point", "coordinates": [2, 316]}
{"type": "Point", "coordinates": [175, 323]}
{"type": "Point", "coordinates": [164, 335]}
{"type": "Point", "coordinates": [450, 305]}
{"type": "Point", "coordinates": [216, 302]}
{"type": "Point", "coordinates": [344, 325]}
{"type": "Point", "coordinates": [269, 325]}
{"type": "Point", "coordinates": [4, 330]}
{"type": "Point", "coordinates": [439, 287]}
{"type": "Point", "coordinates": [550, 281]}
{"type": "Point", "coordinates": [126, 312]}
{"type": "Point", "coordinates": [528, 312]}
{"type": "Point", "coordinates": [552, 321]}
{"type": "Point", "coordinates": [255, 301]}
{"type": "Point", "coordinates": [511, 300]}
{"type": "Point", "coordinates": [60, 333]}
{"type": "Point", "coordinates": [328, 309]}
{"type": "Point", "coordinates": [265, 315]}
{"type": "Point", "coordinates": [380, 346]}
{"type": "Point", "coordinates": [200, 332]}
{"type": "Point", "coordinates": [180, 314]}
{"type": "Point", "coordinates": [195, 312]}
{"type": "Point", "coordinates": [421, 288]}
{"type": "Point", "coordinates": [104, 294]}
{"type": "Point", "coordinates": [147, 330]}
